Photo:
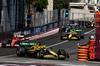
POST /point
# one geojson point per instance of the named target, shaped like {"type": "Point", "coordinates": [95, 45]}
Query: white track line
{"type": "Point", "coordinates": [89, 31]}
{"type": "Point", "coordinates": [72, 65]}
{"type": "Point", "coordinates": [7, 56]}
{"type": "Point", "coordinates": [57, 44]}
{"type": "Point", "coordinates": [51, 45]}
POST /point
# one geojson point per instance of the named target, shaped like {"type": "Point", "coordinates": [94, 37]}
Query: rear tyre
{"type": "Point", "coordinates": [61, 52]}
{"type": "Point", "coordinates": [4, 43]}
{"type": "Point", "coordinates": [61, 37]}
{"type": "Point", "coordinates": [41, 53]}
{"type": "Point", "coordinates": [20, 51]}
{"type": "Point", "coordinates": [82, 36]}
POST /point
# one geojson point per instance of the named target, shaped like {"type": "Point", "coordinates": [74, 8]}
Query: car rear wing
{"type": "Point", "coordinates": [77, 30]}
{"type": "Point", "coordinates": [27, 44]}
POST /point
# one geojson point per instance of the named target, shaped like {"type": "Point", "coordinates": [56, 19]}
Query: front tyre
{"type": "Point", "coordinates": [82, 36]}
{"type": "Point", "coordinates": [4, 43]}
{"type": "Point", "coordinates": [20, 51]}
{"type": "Point", "coordinates": [61, 52]}
{"type": "Point", "coordinates": [41, 53]}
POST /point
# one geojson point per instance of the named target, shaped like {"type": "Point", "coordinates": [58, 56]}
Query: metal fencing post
{"type": "Point", "coordinates": [43, 18]}
{"type": "Point", "coordinates": [38, 19]}
{"type": "Point", "coordinates": [81, 23]}
{"type": "Point", "coordinates": [78, 20]}
{"type": "Point", "coordinates": [84, 20]}
{"type": "Point", "coordinates": [72, 17]}
{"type": "Point", "coordinates": [47, 17]}
{"type": "Point", "coordinates": [34, 17]}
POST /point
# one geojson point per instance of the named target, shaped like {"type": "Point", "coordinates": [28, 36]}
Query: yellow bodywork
{"type": "Point", "coordinates": [91, 25]}
{"type": "Point", "coordinates": [48, 56]}
{"type": "Point", "coordinates": [35, 48]}
{"type": "Point", "coordinates": [70, 36]}
{"type": "Point", "coordinates": [73, 32]}
{"type": "Point", "coordinates": [74, 38]}
{"type": "Point", "coordinates": [52, 56]}
{"type": "Point", "coordinates": [53, 53]}
{"type": "Point", "coordinates": [61, 56]}
{"type": "Point", "coordinates": [64, 37]}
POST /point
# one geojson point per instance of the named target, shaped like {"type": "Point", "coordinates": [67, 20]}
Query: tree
{"type": "Point", "coordinates": [60, 4]}
{"type": "Point", "coordinates": [39, 4]}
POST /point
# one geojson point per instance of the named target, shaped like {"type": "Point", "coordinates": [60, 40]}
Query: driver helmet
{"type": "Point", "coordinates": [92, 37]}
{"type": "Point", "coordinates": [73, 29]}
{"type": "Point", "coordinates": [96, 10]}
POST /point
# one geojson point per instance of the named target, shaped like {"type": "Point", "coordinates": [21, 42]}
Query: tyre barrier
{"type": "Point", "coordinates": [82, 53]}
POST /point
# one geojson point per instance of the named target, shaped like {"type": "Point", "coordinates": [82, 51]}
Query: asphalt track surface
{"type": "Point", "coordinates": [9, 54]}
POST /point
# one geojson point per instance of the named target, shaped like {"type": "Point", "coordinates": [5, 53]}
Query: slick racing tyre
{"type": "Point", "coordinates": [41, 53]}
{"type": "Point", "coordinates": [4, 43]}
{"type": "Point", "coordinates": [62, 52]}
{"type": "Point", "coordinates": [82, 36]}
{"type": "Point", "coordinates": [21, 51]}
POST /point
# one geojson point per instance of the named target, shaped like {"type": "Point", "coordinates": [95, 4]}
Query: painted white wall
{"type": "Point", "coordinates": [93, 3]}
{"type": "Point", "coordinates": [4, 17]}
{"type": "Point", "coordinates": [50, 5]}
{"type": "Point", "coordinates": [80, 14]}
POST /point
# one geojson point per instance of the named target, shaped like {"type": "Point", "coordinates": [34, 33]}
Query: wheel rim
{"type": "Point", "coordinates": [17, 51]}
{"type": "Point", "coordinates": [38, 54]}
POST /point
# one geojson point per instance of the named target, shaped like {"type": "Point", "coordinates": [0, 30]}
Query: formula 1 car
{"type": "Point", "coordinates": [14, 42]}
{"type": "Point", "coordinates": [67, 28]}
{"type": "Point", "coordinates": [62, 29]}
{"type": "Point", "coordinates": [89, 24]}
{"type": "Point", "coordinates": [40, 51]}
{"type": "Point", "coordinates": [72, 35]}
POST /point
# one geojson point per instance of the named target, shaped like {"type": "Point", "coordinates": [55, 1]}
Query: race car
{"type": "Point", "coordinates": [14, 42]}
{"type": "Point", "coordinates": [40, 51]}
{"type": "Point", "coordinates": [89, 24]}
{"type": "Point", "coordinates": [67, 28]}
{"type": "Point", "coordinates": [62, 29]}
{"type": "Point", "coordinates": [72, 35]}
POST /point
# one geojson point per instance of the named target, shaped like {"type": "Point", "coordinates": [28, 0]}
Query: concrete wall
{"type": "Point", "coordinates": [50, 5]}
{"type": "Point", "coordinates": [80, 14]}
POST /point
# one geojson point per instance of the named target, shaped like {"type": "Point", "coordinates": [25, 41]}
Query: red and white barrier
{"type": "Point", "coordinates": [0, 44]}
{"type": "Point", "coordinates": [43, 35]}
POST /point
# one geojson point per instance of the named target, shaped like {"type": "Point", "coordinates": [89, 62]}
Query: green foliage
{"type": "Point", "coordinates": [29, 0]}
{"type": "Point", "coordinates": [91, 8]}
{"type": "Point", "coordinates": [77, 7]}
{"type": "Point", "coordinates": [39, 4]}
{"type": "Point", "coordinates": [60, 4]}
